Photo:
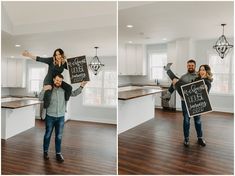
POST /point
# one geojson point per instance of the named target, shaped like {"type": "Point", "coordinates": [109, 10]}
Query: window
{"type": "Point", "coordinates": [223, 73]}
{"type": "Point", "coordinates": [157, 61]}
{"type": "Point", "coordinates": [36, 77]}
{"type": "Point", "coordinates": [101, 89]}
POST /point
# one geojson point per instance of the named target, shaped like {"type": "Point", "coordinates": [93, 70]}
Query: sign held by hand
{"type": "Point", "coordinates": [78, 70]}
{"type": "Point", "coordinates": [196, 98]}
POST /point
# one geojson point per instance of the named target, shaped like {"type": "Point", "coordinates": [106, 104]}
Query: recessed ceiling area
{"type": "Point", "coordinates": [76, 27]}
{"type": "Point", "coordinates": [159, 22]}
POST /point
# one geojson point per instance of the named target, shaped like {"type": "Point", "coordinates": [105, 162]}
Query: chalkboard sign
{"type": "Point", "coordinates": [196, 98]}
{"type": "Point", "coordinates": [78, 71]}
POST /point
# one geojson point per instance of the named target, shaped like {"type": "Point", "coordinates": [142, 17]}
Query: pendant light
{"type": "Point", "coordinates": [222, 46]}
{"type": "Point", "coordinates": [95, 64]}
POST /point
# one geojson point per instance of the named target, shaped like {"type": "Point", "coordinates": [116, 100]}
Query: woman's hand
{"type": "Point", "coordinates": [83, 83]}
{"type": "Point", "coordinates": [47, 87]}
{"type": "Point", "coordinates": [174, 81]}
{"type": "Point", "coordinates": [28, 54]}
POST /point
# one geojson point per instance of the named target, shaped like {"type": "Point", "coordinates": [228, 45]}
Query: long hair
{"type": "Point", "coordinates": [62, 55]}
{"type": "Point", "coordinates": [208, 72]}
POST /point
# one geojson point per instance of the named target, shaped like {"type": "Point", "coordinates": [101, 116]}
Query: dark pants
{"type": "Point", "coordinates": [47, 96]}
{"type": "Point", "coordinates": [178, 85]}
{"type": "Point", "coordinates": [50, 123]}
{"type": "Point", "coordinates": [186, 123]}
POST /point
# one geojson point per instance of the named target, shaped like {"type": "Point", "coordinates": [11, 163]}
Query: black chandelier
{"type": "Point", "coordinates": [222, 46]}
{"type": "Point", "coordinates": [95, 64]}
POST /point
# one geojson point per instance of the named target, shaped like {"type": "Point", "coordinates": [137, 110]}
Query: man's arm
{"type": "Point", "coordinates": [78, 90]}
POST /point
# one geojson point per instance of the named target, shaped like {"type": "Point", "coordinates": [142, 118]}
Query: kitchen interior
{"type": "Point", "coordinates": [89, 142]}
{"type": "Point", "coordinates": [150, 129]}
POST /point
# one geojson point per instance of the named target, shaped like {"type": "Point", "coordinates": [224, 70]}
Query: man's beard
{"type": "Point", "coordinates": [191, 70]}
{"type": "Point", "coordinates": [56, 85]}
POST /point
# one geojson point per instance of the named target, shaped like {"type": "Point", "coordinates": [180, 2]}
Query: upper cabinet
{"type": "Point", "coordinates": [4, 72]}
{"type": "Point", "coordinates": [132, 59]}
{"type": "Point", "coordinates": [13, 73]}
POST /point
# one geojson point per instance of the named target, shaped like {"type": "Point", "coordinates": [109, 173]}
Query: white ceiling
{"type": "Point", "coordinates": [76, 27]}
{"type": "Point", "coordinates": [172, 20]}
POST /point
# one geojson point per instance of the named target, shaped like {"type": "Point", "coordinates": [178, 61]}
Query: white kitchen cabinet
{"type": "Point", "coordinates": [140, 60]}
{"type": "Point", "coordinates": [121, 60]}
{"type": "Point", "coordinates": [4, 72]}
{"type": "Point", "coordinates": [21, 73]}
{"type": "Point", "coordinates": [11, 73]}
{"type": "Point", "coordinates": [16, 73]}
{"type": "Point", "coordinates": [132, 60]}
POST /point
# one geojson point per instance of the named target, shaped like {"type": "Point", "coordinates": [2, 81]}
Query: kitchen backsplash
{"type": "Point", "coordinates": [5, 92]}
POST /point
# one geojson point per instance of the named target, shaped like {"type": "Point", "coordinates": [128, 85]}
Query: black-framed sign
{"type": "Point", "coordinates": [78, 70]}
{"type": "Point", "coordinates": [196, 98]}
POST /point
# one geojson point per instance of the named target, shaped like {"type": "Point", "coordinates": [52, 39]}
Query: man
{"type": "Point", "coordinates": [188, 78]}
{"type": "Point", "coordinates": [55, 115]}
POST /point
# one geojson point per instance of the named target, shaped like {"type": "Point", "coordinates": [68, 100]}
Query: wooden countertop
{"type": "Point", "coordinates": [130, 94]}
{"type": "Point", "coordinates": [19, 103]}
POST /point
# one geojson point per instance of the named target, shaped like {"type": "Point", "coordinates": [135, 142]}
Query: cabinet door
{"type": "Point", "coordinates": [121, 60]}
{"type": "Point", "coordinates": [11, 73]}
{"type": "Point", "coordinates": [20, 70]}
{"type": "Point", "coordinates": [130, 60]}
{"type": "Point", "coordinates": [139, 60]}
{"type": "Point", "coordinates": [4, 72]}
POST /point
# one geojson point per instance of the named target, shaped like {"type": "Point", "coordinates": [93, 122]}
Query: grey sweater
{"type": "Point", "coordinates": [58, 104]}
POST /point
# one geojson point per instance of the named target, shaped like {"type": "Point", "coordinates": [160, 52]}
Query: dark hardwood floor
{"type": "Point", "coordinates": [88, 148]}
{"type": "Point", "coordinates": [156, 147]}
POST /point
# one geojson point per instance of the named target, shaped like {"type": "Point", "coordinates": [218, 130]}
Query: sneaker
{"type": "Point", "coordinates": [167, 67]}
{"type": "Point", "coordinates": [201, 142]}
{"type": "Point", "coordinates": [186, 143]}
{"type": "Point", "coordinates": [166, 96]}
{"type": "Point", "coordinates": [45, 155]}
{"type": "Point", "coordinates": [59, 157]}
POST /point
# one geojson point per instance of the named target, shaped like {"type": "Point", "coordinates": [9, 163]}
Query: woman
{"type": "Point", "coordinates": [56, 64]}
{"type": "Point", "coordinates": [204, 73]}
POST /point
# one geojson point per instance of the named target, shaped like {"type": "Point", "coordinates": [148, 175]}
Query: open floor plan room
{"type": "Point", "coordinates": [156, 146]}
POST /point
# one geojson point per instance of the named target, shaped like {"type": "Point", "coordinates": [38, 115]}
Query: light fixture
{"type": "Point", "coordinates": [95, 64]}
{"type": "Point", "coordinates": [17, 45]}
{"type": "Point", "coordinates": [130, 42]}
{"type": "Point", "coordinates": [222, 46]}
{"type": "Point", "coordinates": [129, 26]}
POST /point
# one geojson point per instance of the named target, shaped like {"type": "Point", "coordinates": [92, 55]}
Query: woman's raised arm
{"type": "Point", "coordinates": [28, 54]}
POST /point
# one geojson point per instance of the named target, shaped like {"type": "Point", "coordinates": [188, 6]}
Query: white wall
{"type": "Point", "coordinates": [78, 111]}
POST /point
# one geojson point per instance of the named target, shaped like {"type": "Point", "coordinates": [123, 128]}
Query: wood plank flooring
{"type": "Point", "coordinates": [88, 148]}
{"type": "Point", "coordinates": [156, 147]}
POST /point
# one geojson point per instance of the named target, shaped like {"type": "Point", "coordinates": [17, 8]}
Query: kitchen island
{"type": "Point", "coordinates": [17, 116]}
{"type": "Point", "coordinates": [135, 107]}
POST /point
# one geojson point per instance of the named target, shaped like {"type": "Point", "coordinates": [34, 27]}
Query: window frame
{"type": "Point", "coordinates": [230, 74]}
{"type": "Point", "coordinates": [103, 88]}
{"type": "Point", "coordinates": [150, 66]}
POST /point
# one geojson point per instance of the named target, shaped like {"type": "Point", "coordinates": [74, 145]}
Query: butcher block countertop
{"type": "Point", "coordinates": [19, 103]}
{"type": "Point", "coordinates": [130, 94]}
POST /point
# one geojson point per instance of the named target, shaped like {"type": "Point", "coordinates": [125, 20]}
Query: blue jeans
{"type": "Point", "coordinates": [50, 123]}
{"type": "Point", "coordinates": [186, 123]}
